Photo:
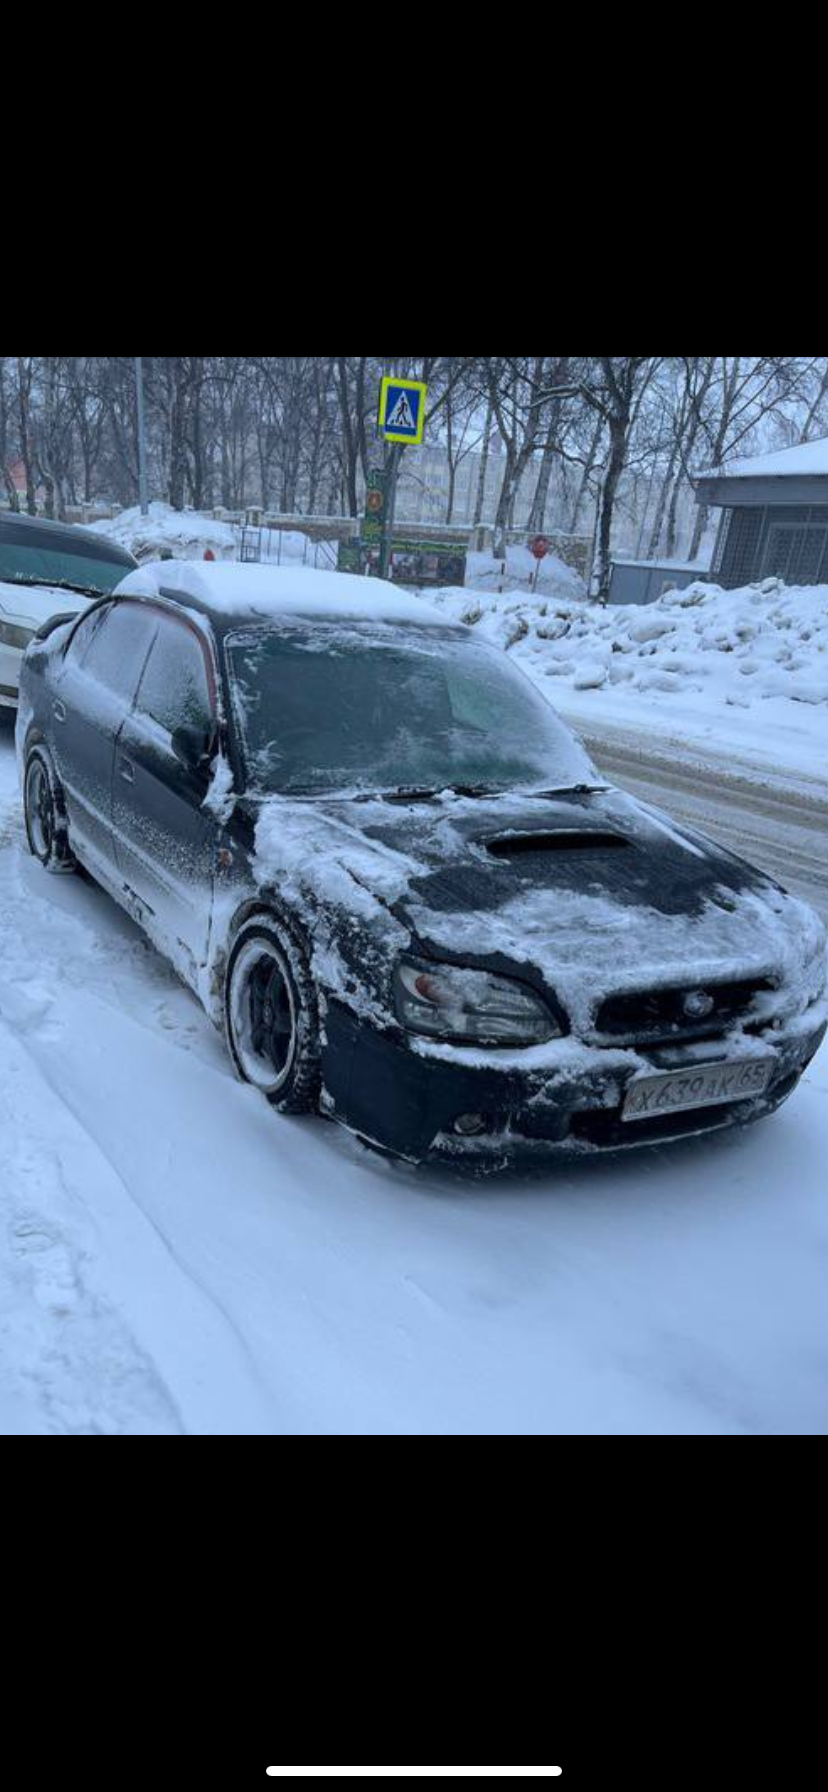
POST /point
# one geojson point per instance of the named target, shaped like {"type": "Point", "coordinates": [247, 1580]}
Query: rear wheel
{"type": "Point", "coordinates": [272, 1016]}
{"type": "Point", "coordinates": [46, 829]}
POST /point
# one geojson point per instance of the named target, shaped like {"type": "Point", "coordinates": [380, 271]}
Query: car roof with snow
{"type": "Point", "coordinates": [229, 592]}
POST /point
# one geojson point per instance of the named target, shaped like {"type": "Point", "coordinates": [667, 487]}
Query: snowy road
{"type": "Point", "coordinates": [178, 1259]}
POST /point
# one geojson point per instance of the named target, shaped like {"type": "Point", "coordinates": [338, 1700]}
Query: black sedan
{"type": "Point", "coordinates": [396, 880]}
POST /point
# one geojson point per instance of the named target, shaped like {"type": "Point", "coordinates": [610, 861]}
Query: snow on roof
{"type": "Point", "coordinates": [698, 566]}
{"type": "Point", "coordinates": [807, 458]}
{"type": "Point", "coordinates": [232, 588]}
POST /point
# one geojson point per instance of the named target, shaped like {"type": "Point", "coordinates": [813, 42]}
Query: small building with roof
{"type": "Point", "coordinates": [774, 520]}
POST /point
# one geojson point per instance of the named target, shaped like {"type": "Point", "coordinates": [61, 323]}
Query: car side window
{"type": "Point", "coordinates": [174, 690]}
{"type": "Point", "coordinates": [84, 635]}
{"type": "Point", "coordinates": [118, 648]}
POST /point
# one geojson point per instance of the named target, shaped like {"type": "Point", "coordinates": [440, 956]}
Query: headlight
{"type": "Point", "coordinates": [462, 1005]}
{"type": "Point", "coordinates": [11, 635]}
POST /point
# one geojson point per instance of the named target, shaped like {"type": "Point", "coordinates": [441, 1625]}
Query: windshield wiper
{"type": "Point", "coordinates": [53, 584]}
{"type": "Point", "coordinates": [569, 790]}
{"type": "Point", "coordinates": [422, 793]}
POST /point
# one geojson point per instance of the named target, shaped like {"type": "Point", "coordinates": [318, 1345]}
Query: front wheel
{"type": "Point", "coordinates": [272, 1017]}
{"type": "Point", "coordinates": [46, 829]}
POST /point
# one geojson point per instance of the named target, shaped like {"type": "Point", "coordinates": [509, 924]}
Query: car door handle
{"type": "Point", "coordinates": [127, 771]}
{"type": "Point", "coordinates": [58, 712]}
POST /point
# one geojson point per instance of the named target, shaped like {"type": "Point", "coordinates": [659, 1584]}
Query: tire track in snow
{"type": "Point", "coordinates": [68, 1351]}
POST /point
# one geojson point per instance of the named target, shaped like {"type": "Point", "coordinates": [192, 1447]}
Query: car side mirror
{"type": "Point", "coordinates": [193, 746]}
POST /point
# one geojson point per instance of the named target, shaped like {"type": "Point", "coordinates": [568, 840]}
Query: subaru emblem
{"type": "Point", "coordinates": [697, 1004]}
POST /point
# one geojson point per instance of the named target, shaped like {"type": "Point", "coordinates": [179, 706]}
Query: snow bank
{"type": "Point", "coordinates": [186, 534]}
{"type": "Point", "coordinates": [486, 572]}
{"type": "Point", "coordinates": [751, 664]}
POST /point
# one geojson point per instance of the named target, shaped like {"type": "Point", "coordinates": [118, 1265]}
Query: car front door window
{"type": "Point", "coordinates": [174, 690]}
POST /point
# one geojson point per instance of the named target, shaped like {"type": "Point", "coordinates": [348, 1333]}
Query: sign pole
{"type": "Point", "coordinates": [142, 436]}
{"type": "Point", "coordinates": [390, 505]}
{"type": "Point", "coordinates": [401, 421]}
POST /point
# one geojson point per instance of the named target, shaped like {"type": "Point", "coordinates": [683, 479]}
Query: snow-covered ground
{"type": "Point", "coordinates": [742, 672]}
{"type": "Point", "coordinates": [180, 1259]}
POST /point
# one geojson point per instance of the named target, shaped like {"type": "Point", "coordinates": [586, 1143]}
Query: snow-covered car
{"type": "Point", "coordinates": [396, 880]}
{"type": "Point", "coordinates": [47, 569]}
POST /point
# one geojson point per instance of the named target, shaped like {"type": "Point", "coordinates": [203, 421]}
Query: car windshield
{"type": "Point", "coordinates": [41, 556]}
{"type": "Point", "coordinates": [367, 706]}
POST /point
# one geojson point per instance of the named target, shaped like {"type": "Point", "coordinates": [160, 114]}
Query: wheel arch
{"type": "Point", "coordinates": [36, 737]}
{"type": "Point", "coordinates": [261, 907]}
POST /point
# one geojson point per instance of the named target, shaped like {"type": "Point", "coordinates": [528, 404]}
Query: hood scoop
{"type": "Point", "coordinates": [559, 841]}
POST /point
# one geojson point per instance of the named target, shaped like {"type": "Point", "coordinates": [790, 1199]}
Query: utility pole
{"type": "Point", "coordinates": [142, 438]}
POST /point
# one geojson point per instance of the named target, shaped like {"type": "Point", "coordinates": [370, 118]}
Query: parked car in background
{"type": "Point", "coordinates": [392, 873]}
{"type": "Point", "coordinates": [47, 569]}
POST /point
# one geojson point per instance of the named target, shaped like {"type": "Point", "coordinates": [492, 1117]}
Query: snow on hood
{"type": "Point", "coordinates": [654, 905]}
{"type": "Point", "coordinates": [587, 947]}
{"type": "Point", "coordinates": [309, 850]}
{"type": "Point", "coordinates": [37, 603]}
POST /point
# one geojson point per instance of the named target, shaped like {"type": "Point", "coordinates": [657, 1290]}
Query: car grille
{"type": "Point", "coordinates": [657, 1016]}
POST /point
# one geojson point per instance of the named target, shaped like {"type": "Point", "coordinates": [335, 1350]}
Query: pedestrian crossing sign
{"type": "Point", "coordinates": [402, 410]}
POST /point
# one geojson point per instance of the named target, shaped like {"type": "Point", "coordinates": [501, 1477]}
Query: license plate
{"type": "Point", "coordinates": [703, 1086]}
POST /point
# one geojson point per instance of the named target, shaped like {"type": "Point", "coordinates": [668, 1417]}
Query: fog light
{"type": "Point", "coordinates": [469, 1124]}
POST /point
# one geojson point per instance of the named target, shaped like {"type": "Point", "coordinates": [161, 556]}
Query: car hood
{"type": "Point", "coordinates": [584, 894]}
{"type": "Point", "coordinates": [37, 603]}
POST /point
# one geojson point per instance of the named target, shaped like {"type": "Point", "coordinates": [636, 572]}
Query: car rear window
{"type": "Point", "coordinates": [119, 646]}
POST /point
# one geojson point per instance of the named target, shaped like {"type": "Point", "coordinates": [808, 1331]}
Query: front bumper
{"type": "Point", "coordinates": [408, 1098]}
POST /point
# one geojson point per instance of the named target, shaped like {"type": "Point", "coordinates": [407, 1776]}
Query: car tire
{"type": "Point", "coordinates": [271, 1015]}
{"type": "Point", "coordinates": [44, 811]}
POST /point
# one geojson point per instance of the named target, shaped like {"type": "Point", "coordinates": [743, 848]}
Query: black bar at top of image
{"type": "Point", "coordinates": [374, 1776]}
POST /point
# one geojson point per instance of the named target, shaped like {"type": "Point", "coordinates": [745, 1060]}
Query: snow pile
{"type": "Point", "coordinates": [520, 570]}
{"type": "Point", "coordinates": [186, 534]}
{"type": "Point", "coordinates": [735, 647]}
{"type": "Point", "coordinates": [285, 547]}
